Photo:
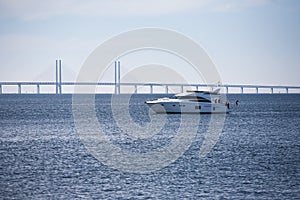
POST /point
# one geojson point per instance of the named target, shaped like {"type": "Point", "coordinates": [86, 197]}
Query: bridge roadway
{"type": "Point", "coordinates": [135, 85]}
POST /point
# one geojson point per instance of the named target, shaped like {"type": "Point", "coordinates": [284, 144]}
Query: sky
{"type": "Point", "coordinates": [250, 41]}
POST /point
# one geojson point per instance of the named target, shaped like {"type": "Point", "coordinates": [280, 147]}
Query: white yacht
{"type": "Point", "coordinates": [192, 101]}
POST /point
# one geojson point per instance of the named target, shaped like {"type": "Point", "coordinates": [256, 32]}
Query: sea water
{"type": "Point", "coordinates": [257, 155]}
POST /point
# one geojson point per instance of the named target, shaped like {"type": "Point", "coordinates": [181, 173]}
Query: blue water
{"type": "Point", "coordinates": [256, 157]}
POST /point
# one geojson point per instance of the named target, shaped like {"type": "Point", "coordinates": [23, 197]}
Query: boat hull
{"type": "Point", "coordinates": [191, 108]}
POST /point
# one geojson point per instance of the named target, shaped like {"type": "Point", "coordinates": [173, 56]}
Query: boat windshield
{"type": "Point", "coordinates": [192, 98]}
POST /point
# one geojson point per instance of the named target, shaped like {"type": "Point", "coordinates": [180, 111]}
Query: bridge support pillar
{"type": "Point", "coordinates": [151, 89]}
{"type": "Point", "coordinates": [38, 88]}
{"type": "Point", "coordinates": [0, 89]}
{"type": "Point", "coordinates": [60, 88]}
{"type": "Point", "coordinates": [272, 90]}
{"type": "Point", "coordinates": [119, 77]}
{"type": "Point", "coordinates": [56, 77]}
{"type": "Point", "coordinates": [256, 90]}
{"type": "Point", "coordinates": [226, 90]}
{"type": "Point", "coordinates": [19, 88]}
{"type": "Point", "coordinates": [196, 87]}
{"type": "Point", "coordinates": [135, 89]}
{"type": "Point", "coordinates": [116, 72]}
{"type": "Point", "coordinates": [167, 91]}
{"type": "Point", "coordinates": [182, 89]}
{"type": "Point", "coordinates": [287, 90]}
{"type": "Point", "coordinates": [242, 90]}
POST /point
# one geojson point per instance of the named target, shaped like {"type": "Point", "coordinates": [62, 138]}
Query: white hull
{"type": "Point", "coordinates": [204, 108]}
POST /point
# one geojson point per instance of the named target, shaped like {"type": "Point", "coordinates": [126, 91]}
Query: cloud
{"type": "Point", "coordinates": [35, 9]}
{"type": "Point", "coordinates": [237, 5]}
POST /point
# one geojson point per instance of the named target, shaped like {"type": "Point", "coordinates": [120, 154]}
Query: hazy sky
{"type": "Point", "coordinates": [250, 41]}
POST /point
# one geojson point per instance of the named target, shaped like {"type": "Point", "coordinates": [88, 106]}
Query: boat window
{"type": "Point", "coordinates": [186, 97]}
{"type": "Point", "coordinates": [200, 100]}
{"type": "Point", "coordinates": [197, 107]}
{"type": "Point", "coordinates": [194, 98]}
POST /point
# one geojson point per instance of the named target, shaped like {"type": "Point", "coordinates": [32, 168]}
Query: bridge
{"type": "Point", "coordinates": [151, 86]}
{"type": "Point", "coordinates": [58, 84]}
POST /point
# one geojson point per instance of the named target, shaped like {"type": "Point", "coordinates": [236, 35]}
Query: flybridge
{"type": "Point", "coordinates": [215, 92]}
{"type": "Point", "coordinates": [58, 84]}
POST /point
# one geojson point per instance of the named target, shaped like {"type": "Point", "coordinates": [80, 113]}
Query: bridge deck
{"type": "Point", "coordinates": [150, 85]}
